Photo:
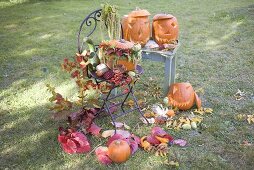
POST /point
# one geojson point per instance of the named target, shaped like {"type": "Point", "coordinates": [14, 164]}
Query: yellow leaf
{"type": "Point", "coordinates": [199, 111]}
{"type": "Point", "coordinates": [169, 123]}
{"type": "Point", "coordinates": [173, 163]}
{"type": "Point", "coordinates": [187, 121]}
{"type": "Point", "coordinates": [174, 124]}
{"type": "Point", "coordinates": [181, 119]}
{"type": "Point", "coordinates": [144, 143]}
{"type": "Point", "coordinates": [178, 126]}
{"type": "Point", "coordinates": [130, 103]}
{"type": "Point", "coordinates": [197, 119]}
{"type": "Point", "coordinates": [208, 110]}
{"type": "Point", "coordinates": [250, 119]}
{"type": "Point", "coordinates": [126, 126]}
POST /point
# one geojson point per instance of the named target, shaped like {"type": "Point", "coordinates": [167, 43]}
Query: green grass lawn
{"type": "Point", "coordinates": [216, 54]}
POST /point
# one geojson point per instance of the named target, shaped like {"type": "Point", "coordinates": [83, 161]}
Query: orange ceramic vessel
{"type": "Point", "coordinates": [136, 27]}
{"type": "Point", "coordinates": [183, 96]}
{"type": "Point", "coordinates": [130, 65]}
{"type": "Point", "coordinates": [164, 29]}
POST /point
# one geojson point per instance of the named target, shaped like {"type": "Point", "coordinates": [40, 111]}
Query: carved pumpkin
{"type": "Point", "coordinates": [165, 28]}
{"type": "Point", "coordinates": [136, 27]}
{"type": "Point", "coordinates": [119, 151]}
{"type": "Point", "coordinates": [183, 96]}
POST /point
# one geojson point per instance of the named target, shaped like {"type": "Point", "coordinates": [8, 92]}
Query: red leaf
{"type": "Point", "coordinates": [94, 129]}
{"type": "Point", "coordinates": [135, 138]}
{"type": "Point", "coordinates": [152, 140]}
{"type": "Point", "coordinates": [134, 142]}
{"type": "Point", "coordinates": [75, 74]}
{"type": "Point", "coordinates": [73, 142]}
{"type": "Point", "coordinates": [102, 155]}
{"type": "Point", "coordinates": [157, 131]}
{"type": "Point", "coordinates": [79, 58]}
{"type": "Point", "coordinates": [66, 60]}
{"type": "Point", "coordinates": [133, 146]}
{"type": "Point", "coordinates": [115, 137]}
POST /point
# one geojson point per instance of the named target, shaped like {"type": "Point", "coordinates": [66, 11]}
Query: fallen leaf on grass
{"type": "Point", "coordinates": [239, 95]}
{"type": "Point", "coordinates": [240, 117]}
{"type": "Point", "coordinates": [108, 133]}
{"type": "Point", "coordinates": [243, 117]}
{"type": "Point", "coordinates": [121, 125]}
{"type": "Point", "coordinates": [202, 111]}
{"type": "Point", "coordinates": [94, 129]}
{"type": "Point", "coordinates": [150, 120]}
{"type": "Point", "coordinates": [102, 155]}
{"type": "Point", "coordinates": [130, 103]}
{"type": "Point", "coordinates": [126, 126]}
{"type": "Point", "coordinates": [173, 163]}
{"type": "Point", "coordinates": [246, 143]}
{"type": "Point", "coordinates": [149, 114]}
{"type": "Point", "coordinates": [180, 142]}
{"type": "Point", "coordinates": [117, 124]}
{"type": "Point", "coordinates": [250, 118]}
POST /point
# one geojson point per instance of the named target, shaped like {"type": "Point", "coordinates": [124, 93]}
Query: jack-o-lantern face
{"type": "Point", "coordinates": [182, 96]}
{"type": "Point", "coordinates": [165, 29]}
{"type": "Point", "coordinates": [136, 27]}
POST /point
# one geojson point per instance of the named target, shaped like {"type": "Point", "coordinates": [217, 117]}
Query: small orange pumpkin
{"type": "Point", "coordinates": [119, 151]}
{"type": "Point", "coordinates": [164, 28]}
{"type": "Point", "coordinates": [183, 96]}
{"type": "Point", "coordinates": [171, 113]}
{"type": "Point", "coordinates": [136, 26]}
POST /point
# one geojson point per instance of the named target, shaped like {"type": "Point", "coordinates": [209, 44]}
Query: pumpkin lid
{"type": "Point", "coordinates": [122, 44]}
{"type": "Point", "coordinates": [139, 13]}
{"type": "Point", "coordinates": [162, 16]}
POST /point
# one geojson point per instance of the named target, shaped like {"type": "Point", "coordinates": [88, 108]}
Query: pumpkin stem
{"type": "Point", "coordinates": [117, 142]}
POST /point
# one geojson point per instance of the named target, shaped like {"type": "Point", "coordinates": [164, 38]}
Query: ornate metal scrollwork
{"type": "Point", "coordinates": [91, 20]}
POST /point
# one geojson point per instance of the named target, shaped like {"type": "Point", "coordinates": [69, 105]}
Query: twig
{"type": "Point", "coordinates": [93, 150]}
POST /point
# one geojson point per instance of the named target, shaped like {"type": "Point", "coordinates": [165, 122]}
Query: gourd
{"type": "Point", "coordinates": [119, 151]}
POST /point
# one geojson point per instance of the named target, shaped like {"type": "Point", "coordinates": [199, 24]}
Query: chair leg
{"type": "Point", "coordinates": [136, 103]}
{"type": "Point", "coordinates": [104, 102]}
{"type": "Point", "coordinates": [110, 114]}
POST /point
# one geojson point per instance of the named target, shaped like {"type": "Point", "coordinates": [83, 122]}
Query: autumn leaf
{"type": "Point", "coordinates": [130, 103]}
{"type": "Point", "coordinates": [199, 111]}
{"type": "Point", "coordinates": [250, 119]}
{"type": "Point", "coordinates": [208, 110]}
{"type": "Point", "coordinates": [173, 163]}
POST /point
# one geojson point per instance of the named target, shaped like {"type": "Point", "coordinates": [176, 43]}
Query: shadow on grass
{"type": "Point", "coordinates": [29, 135]}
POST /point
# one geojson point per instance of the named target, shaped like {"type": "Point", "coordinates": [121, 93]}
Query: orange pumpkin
{"type": "Point", "coordinates": [119, 151]}
{"type": "Point", "coordinates": [171, 113]}
{"type": "Point", "coordinates": [183, 96]}
{"type": "Point", "coordinates": [136, 27]}
{"type": "Point", "coordinates": [164, 29]}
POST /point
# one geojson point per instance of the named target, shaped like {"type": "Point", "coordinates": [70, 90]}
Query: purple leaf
{"type": "Point", "coordinates": [180, 142]}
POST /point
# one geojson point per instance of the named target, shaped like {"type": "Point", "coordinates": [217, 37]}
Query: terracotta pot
{"type": "Point", "coordinates": [136, 27]}
{"type": "Point", "coordinates": [183, 96]}
{"type": "Point", "coordinates": [130, 66]}
{"type": "Point", "coordinates": [164, 29]}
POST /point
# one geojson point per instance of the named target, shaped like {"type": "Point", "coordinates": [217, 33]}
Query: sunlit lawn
{"type": "Point", "coordinates": [216, 54]}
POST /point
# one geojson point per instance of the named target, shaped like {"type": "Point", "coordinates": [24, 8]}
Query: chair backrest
{"type": "Point", "coordinates": [90, 20]}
